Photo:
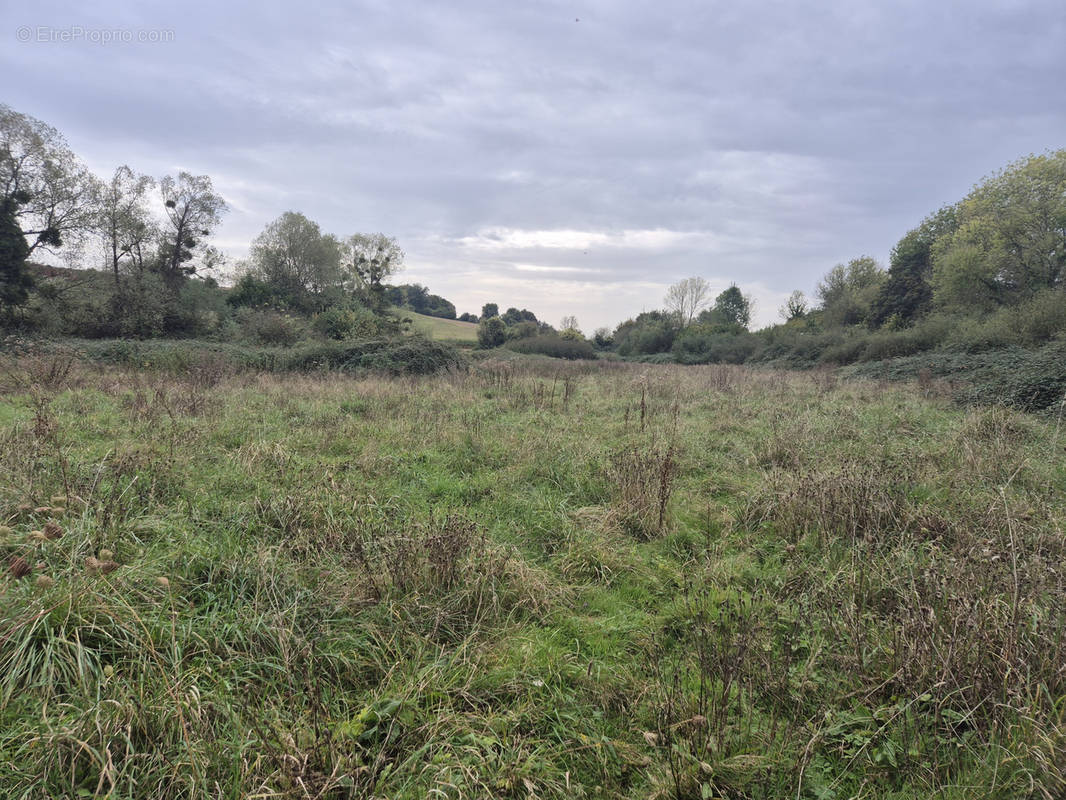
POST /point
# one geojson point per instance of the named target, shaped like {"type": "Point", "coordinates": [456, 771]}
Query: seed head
{"type": "Point", "coordinates": [18, 567]}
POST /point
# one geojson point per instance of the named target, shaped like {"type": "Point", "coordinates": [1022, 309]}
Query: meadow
{"type": "Point", "coordinates": [525, 579]}
{"type": "Point", "coordinates": [440, 329]}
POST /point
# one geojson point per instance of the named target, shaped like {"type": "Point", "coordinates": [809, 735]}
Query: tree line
{"type": "Point", "coordinates": [152, 239]}
{"type": "Point", "coordinates": [987, 271]}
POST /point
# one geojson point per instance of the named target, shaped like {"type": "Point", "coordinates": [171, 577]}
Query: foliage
{"type": "Point", "coordinates": [297, 264]}
{"type": "Point", "coordinates": [553, 345]}
{"type": "Point", "coordinates": [714, 344]}
{"type": "Point", "coordinates": [1010, 241]}
{"type": "Point", "coordinates": [651, 332]}
{"type": "Point", "coordinates": [50, 191]}
{"type": "Point", "coordinates": [848, 291]}
{"type": "Point", "coordinates": [351, 323]}
{"type": "Point", "coordinates": [417, 298]}
{"type": "Point", "coordinates": [491, 332]}
{"type": "Point", "coordinates": [795, 307]}
{"type": "Point", "coordinates": [731, 308]}
{"type": "Point", "coordinates": [193, 211]}
{"type": "Point", "coordinates": [370, 259]}
{"type": "Point", "coordinates": [907, 293]}
{"type": "Point", "coordinates": [15, 279]}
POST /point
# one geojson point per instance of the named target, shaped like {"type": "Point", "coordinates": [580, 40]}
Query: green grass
{"type": "Point", "coordinates": [445, 330]}
{"type": "Point", "coordinates": [530, 579]}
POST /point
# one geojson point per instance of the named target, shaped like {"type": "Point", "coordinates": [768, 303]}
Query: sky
{"type": "Point", "coordinates": [565, 157]}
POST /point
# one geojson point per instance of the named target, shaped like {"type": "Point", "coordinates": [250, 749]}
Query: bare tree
{"type": "Point", "coordinates": [569, 323]}
{"type": "Point", "coordinates": [685, 299]}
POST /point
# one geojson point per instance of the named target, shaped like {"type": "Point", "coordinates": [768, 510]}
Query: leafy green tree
{"type": "Point", "coordinates": [1010, 242]}
{"type": "Point", "coordinates": [299, 263]}
{"type": "Point", "coordinates": [15, 280]}
{"type": "Point", "coordinates": [848, 290]}
{"type": "Point", "coordinates": [651, 332]}
{"type": "Point", "coordinates": [602, 338]}
{"type": "Point", "coordinates": [490, 310]}
{"type": "Point", "coordinates": [907, 293]}
{"type": "Point", "coordinates": [491, 332]}
{"type": "Point", "coordinates": [514, 316]}
{"type": "Point", "coordinates": [731, 308]}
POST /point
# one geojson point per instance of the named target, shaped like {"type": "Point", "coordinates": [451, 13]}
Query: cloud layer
{"type": "Point", "coordinates": [571, 158]}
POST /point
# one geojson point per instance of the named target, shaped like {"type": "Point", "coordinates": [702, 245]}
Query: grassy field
{"type": "Point", "coordinates": [443, 330]}
{"type": "Point", "coordinates": [526, 580]}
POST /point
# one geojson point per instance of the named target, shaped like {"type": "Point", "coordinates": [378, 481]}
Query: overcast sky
{"type": "Point", "coordinates": [568, 157]}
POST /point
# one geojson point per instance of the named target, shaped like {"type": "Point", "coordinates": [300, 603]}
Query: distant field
{"type": "Point", "coordinates": [449, 330]}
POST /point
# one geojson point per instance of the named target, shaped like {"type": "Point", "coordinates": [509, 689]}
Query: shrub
{"type": "Point", "coordinates": [491, 333]}
{"type": "Point", "coordinates": [702, 344]}
{"type": "Point", "coordinates": [553, 346]}
{"type": "Point", "coordinates": [395, 356]}
{"type": "Point", "coordinates": [348, 323]}
{"type": "Point", "coordinates": [269, 327]}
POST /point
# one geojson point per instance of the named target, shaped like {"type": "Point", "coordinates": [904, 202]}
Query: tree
{"type": "Point", "coordinates": [15, 280]}
{"type": "Point", "coordinates": [490, 310]}
{"type": "Point", "coordinates": [907, 292]}
{"type": "Point", "coordinates": [602, 338]}
{"type": "Point", "coordinates": [49, 192]}
{"type": "Point", "coordinates": [569, 327]}
{"type": "Point", "coordinates": [468, 317]}
{"type": "Point", "coordinates": [848, 290]}
{"type": "Point", "coordinates": [371, 258]}
{"type": "Point", "coordinates": [795, 307]}
{"type": "Point", "coordinates": [491, 332]}
{"type": "Point", "coordinates": [651, 332]}
{"type": "Point", "coordinates": [731, 308]}
{"type": "Point", "coordinates": [1010, 242]}
{"type": "Point", "coordinates": [685, 299]}
{"type": "Point", "coordinates": [193, 211]}
{"type": "Point", "coordinates": [297, 260]}
{"type": "Point", "coordinates": [124, 222]}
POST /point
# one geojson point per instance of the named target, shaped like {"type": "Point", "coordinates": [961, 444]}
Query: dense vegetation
{"type": "Point", "coordinates": [986, 274]}
{"type": "Point", "coordinates": [984, 277]}
{"type": "Point", "coordinates": [531, 578]}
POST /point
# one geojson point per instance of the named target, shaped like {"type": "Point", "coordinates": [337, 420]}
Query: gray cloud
{"type": "Point", "coordinates": [566, 157]}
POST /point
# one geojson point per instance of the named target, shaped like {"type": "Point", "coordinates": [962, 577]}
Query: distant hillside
{"type": "Point", "coordinates": [448, 330]}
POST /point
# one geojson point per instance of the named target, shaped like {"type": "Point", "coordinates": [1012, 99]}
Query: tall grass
{"type": "Point", "coordinates": [529, 578]}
